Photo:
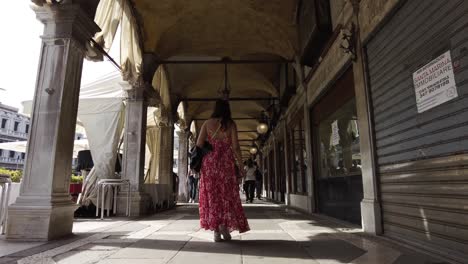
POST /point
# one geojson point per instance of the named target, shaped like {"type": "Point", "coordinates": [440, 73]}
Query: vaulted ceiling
{"type": "Point", "coordinates": [242, 30]}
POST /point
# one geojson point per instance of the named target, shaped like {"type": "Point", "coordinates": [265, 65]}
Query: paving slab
{"type": "Point", "coordinates": [277, 235]}
{"type": "Point", "coordinates": [154, 247]}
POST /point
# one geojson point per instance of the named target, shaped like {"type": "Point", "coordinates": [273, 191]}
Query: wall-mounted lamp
{"type": "Point", "coordinates": [253, 150]}
{"type": "Point", "coordinates": [348, 43]}
{"type": "Point", "coordinates": [262, 127]}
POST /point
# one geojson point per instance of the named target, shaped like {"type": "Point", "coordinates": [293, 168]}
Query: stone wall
{"type": "Point", "coordinates": [372, 14]}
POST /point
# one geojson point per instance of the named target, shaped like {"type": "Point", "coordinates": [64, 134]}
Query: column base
{"type": "Point", "coordinates": [40, 222]}
{"type": "Point", "coordinates": [371, 217]}
{"type": "Point", "coordinates": [141, 204]}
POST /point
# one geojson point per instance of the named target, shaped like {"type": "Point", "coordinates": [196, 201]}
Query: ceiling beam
{"type": "Point", "coordinates": [234, 118]}
{"type": "Point", "coordinates": [230, 99]}
{"type": "Point", "coordinates": [221, 61]}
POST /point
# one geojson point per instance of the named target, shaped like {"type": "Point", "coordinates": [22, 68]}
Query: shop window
{"type": "Point", "coordinates": [339, 143]}
{"type": "Point", "coordinates": [299, 156]}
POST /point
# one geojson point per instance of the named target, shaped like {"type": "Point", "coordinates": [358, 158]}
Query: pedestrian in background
{"type": "Point", "coordinates": [249, 184]}
{"type": "Point", "coordinates": [258, 182]}
{"type": "Point", "coordinates": [193, 185]}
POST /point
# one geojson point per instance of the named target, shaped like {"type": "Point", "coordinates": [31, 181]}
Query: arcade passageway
{"type": "Point", "coordinates": [278, 235]}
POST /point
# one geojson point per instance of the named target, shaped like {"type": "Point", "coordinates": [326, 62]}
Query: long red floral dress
{"type": "Point", "coordinates": [219, 199]}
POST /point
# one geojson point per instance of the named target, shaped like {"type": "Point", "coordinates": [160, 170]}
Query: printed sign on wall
{"type": "Point", "coordinates": [434, 83]}
{"type": "Point", "coordinates": [335, 137]}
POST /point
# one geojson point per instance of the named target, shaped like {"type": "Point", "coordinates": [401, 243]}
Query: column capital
{"type": "Point", "coordinates": [183, 125]}
{"type": "Point", "coordinates": [67, 19]}
{"type": "Point", "coordinates": [182, 133]}
{"type": "Point", "coordinates": [136, 94]}
{"type": "Point", "coordinates": [163, 118]}
{"type": "Point", "coordinates": [140, 90]}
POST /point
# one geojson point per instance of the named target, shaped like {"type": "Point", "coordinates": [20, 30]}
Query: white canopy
{"type": "Point", "coordinates": [99, 93]}
{"type": "Point", "coordinates": [20, 146]}
{"type": "Point", "coordinates": [100, 112]}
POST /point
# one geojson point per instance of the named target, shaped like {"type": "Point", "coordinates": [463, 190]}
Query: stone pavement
{"type": "Point", "coordinates": [278, 235]}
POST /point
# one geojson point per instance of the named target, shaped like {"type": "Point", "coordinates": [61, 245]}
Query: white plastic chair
{"type": "Point", "coordinates": [114, 184]}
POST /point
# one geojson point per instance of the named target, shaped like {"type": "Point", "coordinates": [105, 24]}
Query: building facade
{"type": "Point", "coordinates": [13, 127]}
{"type": "Point", "coordinates": [375, 131]}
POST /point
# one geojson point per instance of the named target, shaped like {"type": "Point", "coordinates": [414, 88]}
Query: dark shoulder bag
{"type": "Point", "coordinates": [196, 154]}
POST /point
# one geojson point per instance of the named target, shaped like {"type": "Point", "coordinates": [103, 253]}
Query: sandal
{"type": "Point", "coordinates": [217, 237]}
{"type": "Point", "coordinates": [225, 233]}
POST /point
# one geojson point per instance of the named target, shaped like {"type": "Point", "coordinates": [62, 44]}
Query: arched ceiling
{"type": "Point", "coordinates": [242, 30]}
{"type": "Point", "coordinates": [181, 27]}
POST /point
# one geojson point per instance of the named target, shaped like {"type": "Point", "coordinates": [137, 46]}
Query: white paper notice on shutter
{"type": "Point", "coordinates": [335, 137]}
{"type": "Point", "coordinates": [435, 83]}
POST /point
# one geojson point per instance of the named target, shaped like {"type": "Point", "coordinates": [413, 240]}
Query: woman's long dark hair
{"type": "Point", "coordinates": [222, 110]}
{"type": "Point", "coordinates": [250, 163]}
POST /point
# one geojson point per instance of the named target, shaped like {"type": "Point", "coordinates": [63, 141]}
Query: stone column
{"type": "Point", "coordinates": [44, 209]}
{"type": "Point", "coordinates": [183, 166]}
{"type": "Point", "coordinates": [134, 153]}
{"type": "Point", "coordinates": [309, 161]}
{"type": "Point", "coordinates": [270, 172]}
{"type": "Point", "coordinates": [166, 161]}
{"type": "Point", "coordinates": [276, 158]}
{"type": "Point", "coordinates": [165, 155]}
{"type": "Point", "coordinates": [287, 164]}
{"type": "Point", "coordinates": [370, 205]}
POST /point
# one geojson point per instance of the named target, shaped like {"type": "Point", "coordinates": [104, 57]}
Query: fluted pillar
{"type": "Point", "coordinates": [166, 161]}
{"type": "Point", "coordinates": [44, 209]}
{"type": "Point", "coordinates": [133, 161]}
{"type": "Point", "coordinates": [183, 165]}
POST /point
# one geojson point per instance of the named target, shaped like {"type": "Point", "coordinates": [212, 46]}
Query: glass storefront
{"type": "Point", "coordinates": [339, 143]}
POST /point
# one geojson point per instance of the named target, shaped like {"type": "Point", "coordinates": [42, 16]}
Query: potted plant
{"type": "Point", "coordinates": [15, 175]}
{"type": "Point", "coordinates": [76, 183]}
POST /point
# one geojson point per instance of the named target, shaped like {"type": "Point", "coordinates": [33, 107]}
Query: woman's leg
{"type": "Point", "coordinates": [191, 178]}
{"type": "Point", "coordinates": [195, 189]}
{"type": "Point", "coordinates": [245, 187]}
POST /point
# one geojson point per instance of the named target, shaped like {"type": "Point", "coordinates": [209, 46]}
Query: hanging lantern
{"type": "Point", "coordinates": [262, 128]}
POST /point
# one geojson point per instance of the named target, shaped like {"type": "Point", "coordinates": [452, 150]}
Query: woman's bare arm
{"type": "Point", "coordinates": [202, 136]}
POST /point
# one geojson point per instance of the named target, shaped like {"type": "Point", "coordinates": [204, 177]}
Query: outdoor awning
{"type": "Point", "coordinates": [20, 146]}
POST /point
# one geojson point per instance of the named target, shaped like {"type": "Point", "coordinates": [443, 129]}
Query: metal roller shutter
{"type": "Point", "coordinates": [422, 158]}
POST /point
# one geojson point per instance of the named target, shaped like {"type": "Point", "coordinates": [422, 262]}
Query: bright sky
{"type": "Point", "coordinates": [19, 54]}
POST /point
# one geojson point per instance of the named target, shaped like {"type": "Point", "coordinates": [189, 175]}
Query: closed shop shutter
{"type": "Point", "coordinates": [422, 158]}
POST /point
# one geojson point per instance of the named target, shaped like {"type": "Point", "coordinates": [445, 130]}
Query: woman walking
{"type": "Point", "coordinates": [220, 205]}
